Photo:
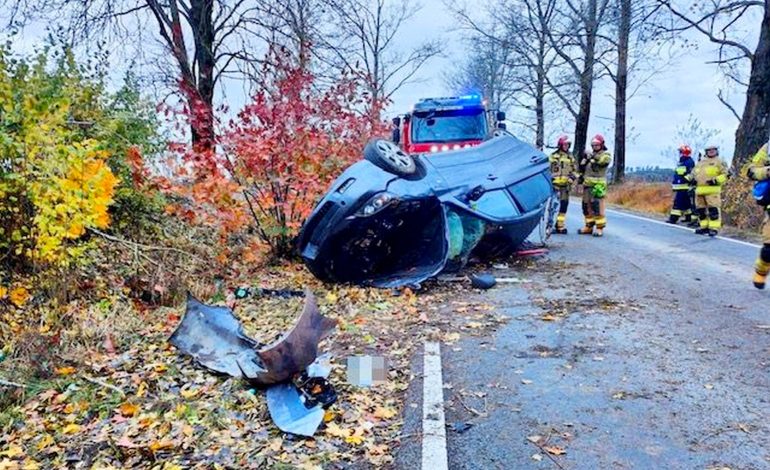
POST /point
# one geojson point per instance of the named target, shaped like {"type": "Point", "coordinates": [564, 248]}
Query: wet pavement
{"type": "Point", "coordinates": [648, 348]}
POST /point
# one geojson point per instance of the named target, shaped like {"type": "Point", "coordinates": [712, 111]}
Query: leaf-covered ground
{"type": "Point", "coordinates": [119, 395]}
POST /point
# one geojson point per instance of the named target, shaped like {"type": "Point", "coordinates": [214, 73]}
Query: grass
{"type": "Point", "coordinates": [645, 197]}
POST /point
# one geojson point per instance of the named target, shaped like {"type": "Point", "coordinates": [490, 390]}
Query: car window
{"type": "Point", "coordinates": [449, 126]}
{"type": "Point", "coordinates": [531, 192]}
{"type": "Point", "coordinates": [496, 204]}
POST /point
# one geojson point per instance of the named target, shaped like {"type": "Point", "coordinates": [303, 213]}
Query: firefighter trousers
{"type": "Point", "coordinates": [593, 209]}
{"type": "Point", "coordinates": [762, 266]}
{"type": "Point", "coordinates": [682, 204]}
{"type": "Point", "coordinates": [709, 209]}
{"type": "Point", "coordinates": [563, 205]}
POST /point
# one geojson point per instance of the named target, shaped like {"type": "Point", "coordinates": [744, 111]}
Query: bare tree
{"type": "Point", "coordinates": [517, 32]}
{"type": "Point", "coordinates": [578, 42]}
{"type": "Point", "coordinates": [718, 21]}
{"type": "Point", "coordinates": [365, 43]}
{"type": "Point", "coordinates": [629, 65]}
{"type": "Point", "coordinates": [484, 70]}
{"type": "Point", "coordinates": [621, 85]}
{"type": "Point", "coordinates": [205, 40]}
{"type": "Point", "coordinates": [692, 133]}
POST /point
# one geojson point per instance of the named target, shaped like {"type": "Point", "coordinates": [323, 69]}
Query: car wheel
{"type": "Point", "coordinates": [390, 157]}
{"type": "Point", "coordinates": [548, 219]}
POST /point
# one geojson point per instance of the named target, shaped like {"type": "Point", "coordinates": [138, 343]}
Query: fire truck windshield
{"type": "Point", "coordinates": [449, 125]}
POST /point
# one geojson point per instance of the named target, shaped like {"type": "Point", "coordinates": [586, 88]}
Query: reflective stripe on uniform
{"type": "Point", "coordinates": [680, 187]}
{"type": "Point", "coordinates": [707, 190]}
{"type": "Point", "coordinates": [601, 222]}
{"type": "Point", "coordinates": [715, 224]}
{"type": "Point", "coordinates": [592, 181]}
{"type": "Point", "coordinates": [676, 212]}
{"type": "Point", "coordinates": [761, 267]}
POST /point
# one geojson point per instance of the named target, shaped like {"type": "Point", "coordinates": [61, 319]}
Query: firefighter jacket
{"type": "Point", "coordinates": [710, 174]}
{"type": "Point", "coordinates": [596, 169]}
{"type": "Point", "coordinates": [562, 168]}
{"type": "Point", "coordinates": [759, 168]}
{"type": "Point", "coordinates": [683, 174]}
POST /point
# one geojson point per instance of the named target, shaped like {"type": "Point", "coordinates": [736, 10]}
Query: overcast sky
{"type": "Point", "coordinates": [688, 86]}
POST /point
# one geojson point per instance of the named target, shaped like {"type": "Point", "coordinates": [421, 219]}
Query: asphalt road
{"type": "Point", "coordinates": [647, 348]}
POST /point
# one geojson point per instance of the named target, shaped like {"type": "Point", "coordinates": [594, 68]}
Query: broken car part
{"type": "Point", "coordinates": [387, 228]}
{"type": "Point", "coordinates": [243, 292]}
{"type": "Point", "coordinates": [297, 390]}
{"type": "Point", "coordinates": [298, 407]}
{"type": "Point", "coordinates": [215, 339]}
{"type": "Point", "coordinates": [483, 281]}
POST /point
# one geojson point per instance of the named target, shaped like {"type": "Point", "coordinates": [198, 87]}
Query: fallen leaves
{"type": "Point", "coordinates": [128, 410]}
{"type": "Point", "coordinates": [189, 393]}
{"type": "Point", "coordinates": [555, 450]}
{"type": "Point", "coordinates": [12, 451]}
{"type": "Point", "coordinates": [158, 446]}
{"type": "Point", "coordinates": [132, 396]}
{"type": "Point", "coordinates": [64, 371]}
{"type": "Point", "coordinates": [19, 296]}
{"type": "Point", "coordinates": [384, 412]}
{"type": "Point", "coordinates": [71, 428]}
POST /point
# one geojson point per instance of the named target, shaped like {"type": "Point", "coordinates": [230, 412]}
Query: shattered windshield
{"type": "Point", "coordinates": [449, 126]}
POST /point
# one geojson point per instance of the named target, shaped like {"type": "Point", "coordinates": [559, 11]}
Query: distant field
{"type": "Point", "coordinates": [647, 197]}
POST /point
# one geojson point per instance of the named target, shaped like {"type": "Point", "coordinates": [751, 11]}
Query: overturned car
{"type": "Point", "coordinates": [394, 219]}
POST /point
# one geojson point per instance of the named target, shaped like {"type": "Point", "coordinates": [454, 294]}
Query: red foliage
{"type": "Point", "coordinates": [139, 172]}
{"type": "Point", "coordinates": [275, 160]}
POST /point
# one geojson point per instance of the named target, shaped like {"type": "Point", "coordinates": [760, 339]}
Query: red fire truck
{"type": "Point", "coordinates": [447, 123]}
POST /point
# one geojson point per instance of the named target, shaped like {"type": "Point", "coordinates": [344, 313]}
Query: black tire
{"type": "Point", "coordinates": [390, 157]}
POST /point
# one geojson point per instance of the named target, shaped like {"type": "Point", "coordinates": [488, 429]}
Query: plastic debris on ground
{"type": "Point", "coordinates": [297, 389]}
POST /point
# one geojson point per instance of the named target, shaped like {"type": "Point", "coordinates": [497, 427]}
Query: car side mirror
{"type": "Point", "coordinates": [396, 121]}
{"type": "Point", "coordinates": [500, 116]}
{"type": "Point", "coordinates": [396, 135]}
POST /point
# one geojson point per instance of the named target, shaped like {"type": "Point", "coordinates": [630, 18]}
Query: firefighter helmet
{"type": "Point", "coordinates": [562, 141]}
{"type": "Point", "coordinates": [598, 140]}
{"type": "Point", "coordinates": [685, 150]}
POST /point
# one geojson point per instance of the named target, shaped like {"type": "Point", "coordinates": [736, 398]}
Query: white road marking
{"type": "Point", "coordinates": [686, 258]}
{"type": "Point", "coordinates": [647, 219]}
{"type": "Point", "coordinates": [434, 456]}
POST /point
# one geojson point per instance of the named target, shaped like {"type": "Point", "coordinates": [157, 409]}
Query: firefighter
{"type": "Point", "coordinates": [562, 177]}
{"type": "Point", "coordinates": [681, 186]}
{"type": "Point", "coordinates": [710, 175]}
{"type": "Point", "coordinates": [759, 170]}
{"type": "Point", "coordinates": [594, 180]}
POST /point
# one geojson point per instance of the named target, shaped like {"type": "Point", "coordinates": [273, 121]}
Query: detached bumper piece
{"type": "Point", "coordinates": [297, 387]}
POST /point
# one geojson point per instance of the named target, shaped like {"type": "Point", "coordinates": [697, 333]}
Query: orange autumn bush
{"type": "Point", "coordinates": [275, 160]}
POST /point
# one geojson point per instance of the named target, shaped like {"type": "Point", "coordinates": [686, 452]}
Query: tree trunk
{"type": "Point", "coordinates": [754, 129]}
{"type": "Point", "coordinates": [540, 115]}
{"type": "Point", "coordinates": [586, 81]}
{"type": "Point", "coordinates": [202, 23]}
{"type": "Point", "coordinates": [621, 82]}
{"type": "Point", "coordinates": [540, 96]}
